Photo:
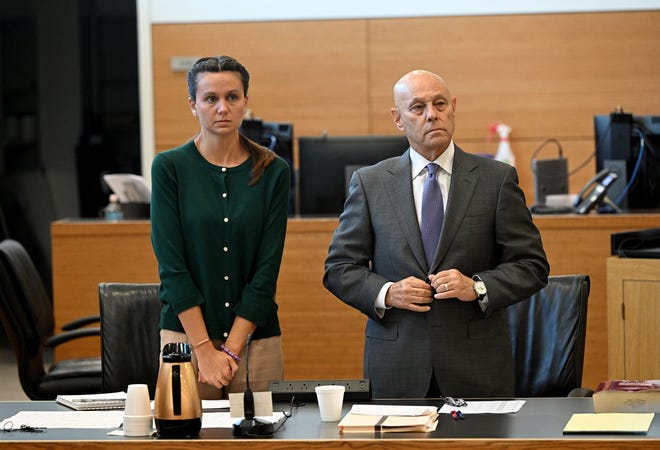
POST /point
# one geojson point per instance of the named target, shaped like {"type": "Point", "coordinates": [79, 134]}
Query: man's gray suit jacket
{"type": "Point", "coordinates": [488, 231]}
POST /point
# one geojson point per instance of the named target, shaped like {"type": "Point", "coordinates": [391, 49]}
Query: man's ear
{"type": "Point", "coordinates": [396, 117]}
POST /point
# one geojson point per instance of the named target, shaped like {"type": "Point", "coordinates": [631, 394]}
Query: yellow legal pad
{"type": "Point", "coordinates": [609, 423]}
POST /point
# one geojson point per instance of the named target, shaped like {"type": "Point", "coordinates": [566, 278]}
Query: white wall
{"type": "Point", "coordinates": [174, 11]}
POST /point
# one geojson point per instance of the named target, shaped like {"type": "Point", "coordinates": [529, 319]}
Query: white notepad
{"type": "Point", "coordinates": [94, 402]}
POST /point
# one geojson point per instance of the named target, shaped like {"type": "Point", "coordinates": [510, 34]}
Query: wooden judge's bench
{"type": "Point", "coordinates": [322, 337]}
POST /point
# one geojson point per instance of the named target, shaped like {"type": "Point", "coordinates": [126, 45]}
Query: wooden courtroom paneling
{"type": "Point", "coordinates": [310, 73]}
{"type": "Point", "coordinates": [633, 314]}
{"type": "Point", "coordinates": [322, 337]}
{"type": "Point", "coordinates": [581, 244]}
{"type": "Point", "coordinates": [545, 75]}
{"type": "Point", "coordinates": [86, 253]}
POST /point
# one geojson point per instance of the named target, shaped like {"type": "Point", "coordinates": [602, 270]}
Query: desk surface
{"type": "Point", "coordinates": [539, 423]}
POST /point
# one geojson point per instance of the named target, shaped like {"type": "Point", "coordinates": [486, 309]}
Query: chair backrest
{"type": "Point", "coordinates": [130, 338]}
{"type": "Point", "coordinates": [548, 336]}
{"type": "Point", "coordinates": [36, 302]}
{"type": "Point", "coordinates": [21, 321]}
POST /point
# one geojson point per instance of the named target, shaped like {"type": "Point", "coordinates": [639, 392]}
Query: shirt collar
{"type": "Point", "coordinates": [445, 160]}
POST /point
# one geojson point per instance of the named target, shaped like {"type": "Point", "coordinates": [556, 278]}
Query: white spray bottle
{"type": "Point", "coordinates": [504, 152]}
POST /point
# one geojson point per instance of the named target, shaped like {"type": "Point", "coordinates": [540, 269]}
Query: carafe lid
{"type": "Point", "coordinates": [177, 352]}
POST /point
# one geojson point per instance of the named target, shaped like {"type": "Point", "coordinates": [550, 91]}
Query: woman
{"type": "Point", "coordinates": [218, 222]}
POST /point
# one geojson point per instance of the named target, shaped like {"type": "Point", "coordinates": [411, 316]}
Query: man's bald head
{"type": "Point", "coordinates": [402, 87]}
{"type": "Point", "coordinates": [424, 109]}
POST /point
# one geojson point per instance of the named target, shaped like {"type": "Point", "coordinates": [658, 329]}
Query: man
{"type": "Point", "coordinates": [435, 326]}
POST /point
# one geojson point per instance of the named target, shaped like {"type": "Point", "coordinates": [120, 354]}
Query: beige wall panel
{"type": "Point", "coordinates": [310, 73]}
{"type": "Point", "coordinates": [322, 337]}
{"type": "Point", "coordinates": [545, 75]}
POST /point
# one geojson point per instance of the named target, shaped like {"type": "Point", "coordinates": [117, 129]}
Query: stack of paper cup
{"type": "Point", "coordinates": [330, 398]}
{"type": "Point", "coordinates": [138, 420]}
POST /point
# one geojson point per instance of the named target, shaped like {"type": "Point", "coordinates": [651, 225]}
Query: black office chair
{"type": "Point", "coordinates": [130, 338]}
{"type": "Point", "coordinates": [548, 336]}
{"type": "Point", "coordinates": [26, 314]}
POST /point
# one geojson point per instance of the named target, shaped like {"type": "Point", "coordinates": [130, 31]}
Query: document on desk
{"type": "Point", "coordinates": [94, 402]}
{"type": "Point", "coordinates": [384, 418]}
{"type": "Point", "coordinates": [64, 419]}
{"type": "Point", "coordinates": [211, 405]}
{"type": "Point", "coordinates": [129, 188]}
{"type": "Point", "coordinates": [609, 423]}
{"type": "Point", "coordinates": [393, 410]}
{"type": "Point", "coordinates": [486, 407]}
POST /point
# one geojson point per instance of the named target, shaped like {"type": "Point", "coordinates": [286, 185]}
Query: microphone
{"type": "Point", "coordinates": [249, 426]}
{"type": "Point", "coordinates": [248, 397]}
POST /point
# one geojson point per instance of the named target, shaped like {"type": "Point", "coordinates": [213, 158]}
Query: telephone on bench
{"type": "Point", "coordinates": [594, 193]}
{"type": "Point", "coordinates": [591, 195]}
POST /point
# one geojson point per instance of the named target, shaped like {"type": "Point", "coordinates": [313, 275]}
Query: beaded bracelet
{"type": "Point", "coordinates": [230, 353]}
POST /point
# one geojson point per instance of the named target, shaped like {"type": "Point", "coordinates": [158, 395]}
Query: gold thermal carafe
{"type": "Point", "coordinates": [177, 406]}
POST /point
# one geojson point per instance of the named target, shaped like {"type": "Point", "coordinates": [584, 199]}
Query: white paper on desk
{"type": "Point", "coordinates": [224, 420]}
{"type": "Point", "coordinates": [215, 404]}
{"type": "Point", "coordinates": [129, 188]}
{"type": "Point", "coordinates": [393, 410]}
{"type": "Point", "coordinates": [486, 407]}
{"type": "Point", "coordinates": [65, 419]}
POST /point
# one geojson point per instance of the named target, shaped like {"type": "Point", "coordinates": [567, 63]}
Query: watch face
{"type": "Point", "coordinates": [480, 288]}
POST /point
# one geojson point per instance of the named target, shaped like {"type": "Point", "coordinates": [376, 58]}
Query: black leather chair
{"type": "Point", "coordinates": [26, 314]}
{"type": "Point", "coordinates": [130, 338]}
{"type": "Point", "coordinates": [548, 336]}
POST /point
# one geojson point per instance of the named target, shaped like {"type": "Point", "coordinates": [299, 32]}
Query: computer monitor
{"type": "Point", "coordinates": [326, 164]}
{"type": "Point", "coordinates": [629, 145]}
{"type": "Point", "coordinates": [277, 136]}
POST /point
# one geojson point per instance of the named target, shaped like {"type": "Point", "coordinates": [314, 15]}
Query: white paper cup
{"type": "Point", "coordinates": [138, 425]}
{"type": "Point", "coordinates": [330, 399]}
{"type": "Point", "coordinates": [137, 401]}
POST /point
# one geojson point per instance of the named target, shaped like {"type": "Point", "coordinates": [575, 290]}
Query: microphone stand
{"type": "Point", "coordinates": [251, 426]}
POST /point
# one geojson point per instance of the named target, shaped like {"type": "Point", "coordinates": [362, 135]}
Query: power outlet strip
{"type": "Point", "coordinates": [303, 390]}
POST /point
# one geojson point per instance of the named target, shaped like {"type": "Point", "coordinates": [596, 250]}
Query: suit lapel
{"type": "Point", "coordinates": [463, 184]}
{"type": "Point", "coordinates": [397, 182]}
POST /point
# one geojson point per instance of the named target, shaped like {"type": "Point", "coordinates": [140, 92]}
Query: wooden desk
{"type": "Point", "coordinates": [322, 337]}
{"type": "Point", "coordinates": [538, 425]}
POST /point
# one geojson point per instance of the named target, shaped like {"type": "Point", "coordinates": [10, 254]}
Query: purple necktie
{"type": "Point", "coordinates": [433, 213]}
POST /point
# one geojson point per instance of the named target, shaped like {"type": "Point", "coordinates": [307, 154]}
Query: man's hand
{"type": "Point", "coordinates": [452, 284]}
{"type": "Point", "coordinates": [410, 293]}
